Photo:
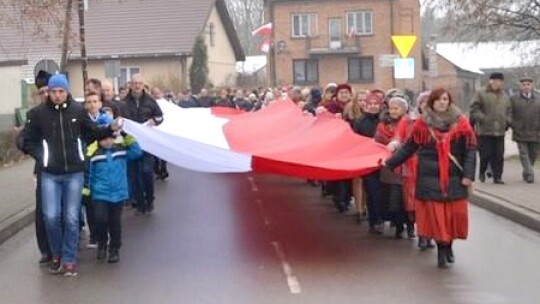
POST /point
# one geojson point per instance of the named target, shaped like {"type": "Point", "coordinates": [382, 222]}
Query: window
{"type": "Point", "coordinates": [306, 71]}
{"type": "Point", "coordinates": [361, 69]}
{"type": "Point", "coordinates": [126, 73]}
{"type": "Point", "coordinates": [360, 23]}
{"type": "Point", "coordinates": [304, 25]}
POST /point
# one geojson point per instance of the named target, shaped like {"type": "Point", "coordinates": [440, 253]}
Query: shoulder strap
{"type": "Point", "coordinates": [450, 155]}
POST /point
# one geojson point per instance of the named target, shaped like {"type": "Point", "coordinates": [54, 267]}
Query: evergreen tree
{"type": "Point", "coordinates": [198, 72]}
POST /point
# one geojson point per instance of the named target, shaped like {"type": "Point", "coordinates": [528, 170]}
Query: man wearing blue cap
{"type": "Point", "coordinates": [54, 138]}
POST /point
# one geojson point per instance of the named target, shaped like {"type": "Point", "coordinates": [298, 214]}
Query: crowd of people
{"type": "Point", "coordinates": [88, 170]}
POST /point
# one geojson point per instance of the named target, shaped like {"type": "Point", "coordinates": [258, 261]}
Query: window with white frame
{"type": "Point", "coordinates": [126, 73]}
{"type": "Point", "coordinates": [303, 25]}
{"type": "Point", "coordinates": [360, 23]}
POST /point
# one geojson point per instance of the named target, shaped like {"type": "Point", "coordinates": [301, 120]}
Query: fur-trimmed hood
{"type": "Point", "coordinates": [443, 121]}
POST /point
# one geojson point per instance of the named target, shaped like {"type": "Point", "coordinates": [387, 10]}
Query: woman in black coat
{"type": "Point", "coordinates": [446, 146]}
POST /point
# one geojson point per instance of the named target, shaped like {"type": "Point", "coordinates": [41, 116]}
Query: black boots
{"type": "Point", "coordinates": [450, 253]}
{"type": "Point", "coordinates": [445, 254]}
{"type": "Point", "coordinates": [441, 256]}
{"type": "Point", "coordinates": [425, 244]}
{"type": "Point", "coordinates": [114, 257]}
{"type": "Point", "coordinates": [101, 252]}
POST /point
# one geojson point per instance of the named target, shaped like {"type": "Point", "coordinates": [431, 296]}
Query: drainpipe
{"type": "Point", "coordinates": [392, 49]}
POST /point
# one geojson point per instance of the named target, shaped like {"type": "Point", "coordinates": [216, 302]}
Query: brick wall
{"type": "Point", "coordinates": [333, 68]}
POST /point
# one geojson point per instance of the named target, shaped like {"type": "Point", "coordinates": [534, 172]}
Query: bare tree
{"type": "Point", "coordinates": [247, 15]}
{"type": "Point", "coordinates": [491, 19]}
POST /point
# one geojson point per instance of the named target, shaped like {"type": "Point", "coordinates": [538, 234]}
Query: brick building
{"type": "Point", "coordinates": [318, 41]}
{"type": "Point", "coordinates": [461, 79]}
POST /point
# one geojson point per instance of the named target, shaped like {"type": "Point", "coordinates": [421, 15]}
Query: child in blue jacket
{"type": "Point", "coordinates": [109, 190]}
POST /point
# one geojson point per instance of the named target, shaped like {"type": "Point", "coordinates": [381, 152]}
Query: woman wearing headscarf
{"type": "Point", "coordinates": [446, 146]}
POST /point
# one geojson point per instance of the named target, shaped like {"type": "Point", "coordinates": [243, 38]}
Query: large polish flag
{"type": "Point", "coordinates": [279, 139]}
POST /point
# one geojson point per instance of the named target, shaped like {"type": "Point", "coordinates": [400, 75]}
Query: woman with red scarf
{"type": "Point", "coordinates": [446, 146]}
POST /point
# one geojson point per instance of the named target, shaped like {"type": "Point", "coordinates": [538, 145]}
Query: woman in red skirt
{"type": "Point", "coordinates": [446, 146]}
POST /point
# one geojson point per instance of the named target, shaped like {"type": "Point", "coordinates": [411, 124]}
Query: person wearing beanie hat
{"type": "Point", "coordinates": [400, 101]}
{"type": "Point", "coordinates": [62, 162]}
{"type": "Point", "coordinates": [526, 126]}
{"type": "Point", "coordinates": [366, 125]}
{"type": "Point", "coordinates": [491, 112]}
{"type": "Point", "coordinates": [58, 81]}
{"type": "Point", "coordinates": [409, 169]}
{"type": "Point", "coordinates": [109, 191]}
{"type": "Point", "coordinates": [496, 75]}
{"type": "Point", "coordinates": [42, 79]}
{"type": "Point", "coordinates": [391, 182]}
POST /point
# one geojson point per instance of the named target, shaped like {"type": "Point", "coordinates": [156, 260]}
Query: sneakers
{"type": "Point", "coordinates": [54, 265]}
{"type": "Point", "coordinates": [45, 260]}
{"type": "Point", "coordinates": [376, 229]}
{"type": "Point", "coordinates": [69, 270]}
{"type": "Point", "coordinates": [92, 244]}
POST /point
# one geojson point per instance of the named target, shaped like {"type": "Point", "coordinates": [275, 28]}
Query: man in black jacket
{"type": "Point", "coordinates": [54, 135]}
{"type": "Point", "coordinates": [142, 108]}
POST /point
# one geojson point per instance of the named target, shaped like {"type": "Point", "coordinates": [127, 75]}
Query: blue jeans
{"type": "Point", "coordinates": [142, 182]}
{"type": "Point", "coordinates": [62, 194]}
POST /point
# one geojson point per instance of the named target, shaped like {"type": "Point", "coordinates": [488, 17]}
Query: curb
{"type": "Point", "coordinates": [518, 214]}
{"type": "Point", "coordinates": [16, 223]}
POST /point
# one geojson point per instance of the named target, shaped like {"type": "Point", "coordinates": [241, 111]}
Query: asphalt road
{"type": "Point", "coordinates": [261, 239]}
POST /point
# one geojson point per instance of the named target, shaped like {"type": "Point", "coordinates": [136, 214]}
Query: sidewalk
{"type": "Point", "coordinates": [516, 200]}
{"type": "Point", "coordinates": [17, 198]}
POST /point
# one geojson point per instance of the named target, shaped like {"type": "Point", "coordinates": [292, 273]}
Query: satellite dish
{"type": "Point", "coordinates": [48, 66]}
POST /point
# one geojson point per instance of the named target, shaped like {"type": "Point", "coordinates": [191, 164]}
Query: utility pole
{"type": "Point", "coordinates": [272, 53]}
{"type": "Point", "coordinates": [82, 40]}
{"type": "Point", "coordinates": [67, 33]}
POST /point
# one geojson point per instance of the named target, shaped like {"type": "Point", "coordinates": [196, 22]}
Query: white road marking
{"type": "Point", "coordinates": [292, 281]}
{"type": "Point", "coordinates": [263, 213]}
{"type": "Point", "coordinates": [253, 185]}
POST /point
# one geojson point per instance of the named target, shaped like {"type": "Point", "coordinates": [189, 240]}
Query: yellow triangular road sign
{"type": "Point", "coordinates": [404, 44]}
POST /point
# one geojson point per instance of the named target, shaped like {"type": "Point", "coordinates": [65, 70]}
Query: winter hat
{"type": "Point", "coordinates": [343, 86]}
{"type": "Point", "coordinates": [104, 120]}
{"type": "Point", "coordinates": [374, 98]}
{"type": "Point", "coordinates": [330, 86]}
{"type": "Point", "coordinates": [42, 79]}
{"type": "Point", "coordinates": [400, 101]}
{"type": "Point", "coordinates": [526, 79]}
{"type": "Point", "coordinates": [422, 98]}
{"type": "Point", "coordinates": [315, 95]}
{"type": "Point", "coordinates": [58, 81]}
{"type": "Point", "coordinates": [496, 75]}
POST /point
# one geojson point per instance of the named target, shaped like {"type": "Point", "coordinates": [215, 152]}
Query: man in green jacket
{"type": "Point", "coordinates": [491, 112]}
{"type": "Point", "coordinates": [526, 126]}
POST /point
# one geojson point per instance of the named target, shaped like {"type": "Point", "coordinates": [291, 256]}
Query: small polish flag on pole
{"type": "Point", "coordinates": [265, 45]}
{"type": "Point", "coordinates": [264, 30]}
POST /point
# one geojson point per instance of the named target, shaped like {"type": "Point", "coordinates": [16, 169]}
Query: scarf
{"type": "Point", "coordinates": [443, 129]}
